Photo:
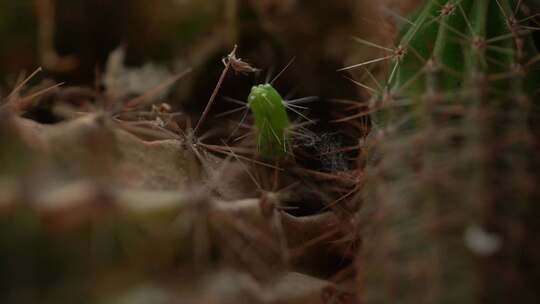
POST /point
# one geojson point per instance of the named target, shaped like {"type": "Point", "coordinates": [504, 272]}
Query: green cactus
{"type": "Point", "coordinates": [451, 175]}
{"type": "Point", "coordinates": [271, 121]}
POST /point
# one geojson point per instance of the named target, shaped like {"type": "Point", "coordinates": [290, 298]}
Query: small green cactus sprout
{"type": "Point", "coordinates": [274, 132]}
{"type": "Point", "coordinates": [271, 121]}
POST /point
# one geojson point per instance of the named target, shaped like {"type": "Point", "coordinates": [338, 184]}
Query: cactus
{"type": "Point", "coordinates": [449, 190]}
{"type": "Point", "coordinates": [271, 120]}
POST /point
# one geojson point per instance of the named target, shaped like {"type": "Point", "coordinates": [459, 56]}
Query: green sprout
{"type": "Point", "coordinates": [271, 121]}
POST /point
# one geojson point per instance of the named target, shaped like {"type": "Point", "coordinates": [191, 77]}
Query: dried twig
{"type": "Point", "coordinates": [228, 64]}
